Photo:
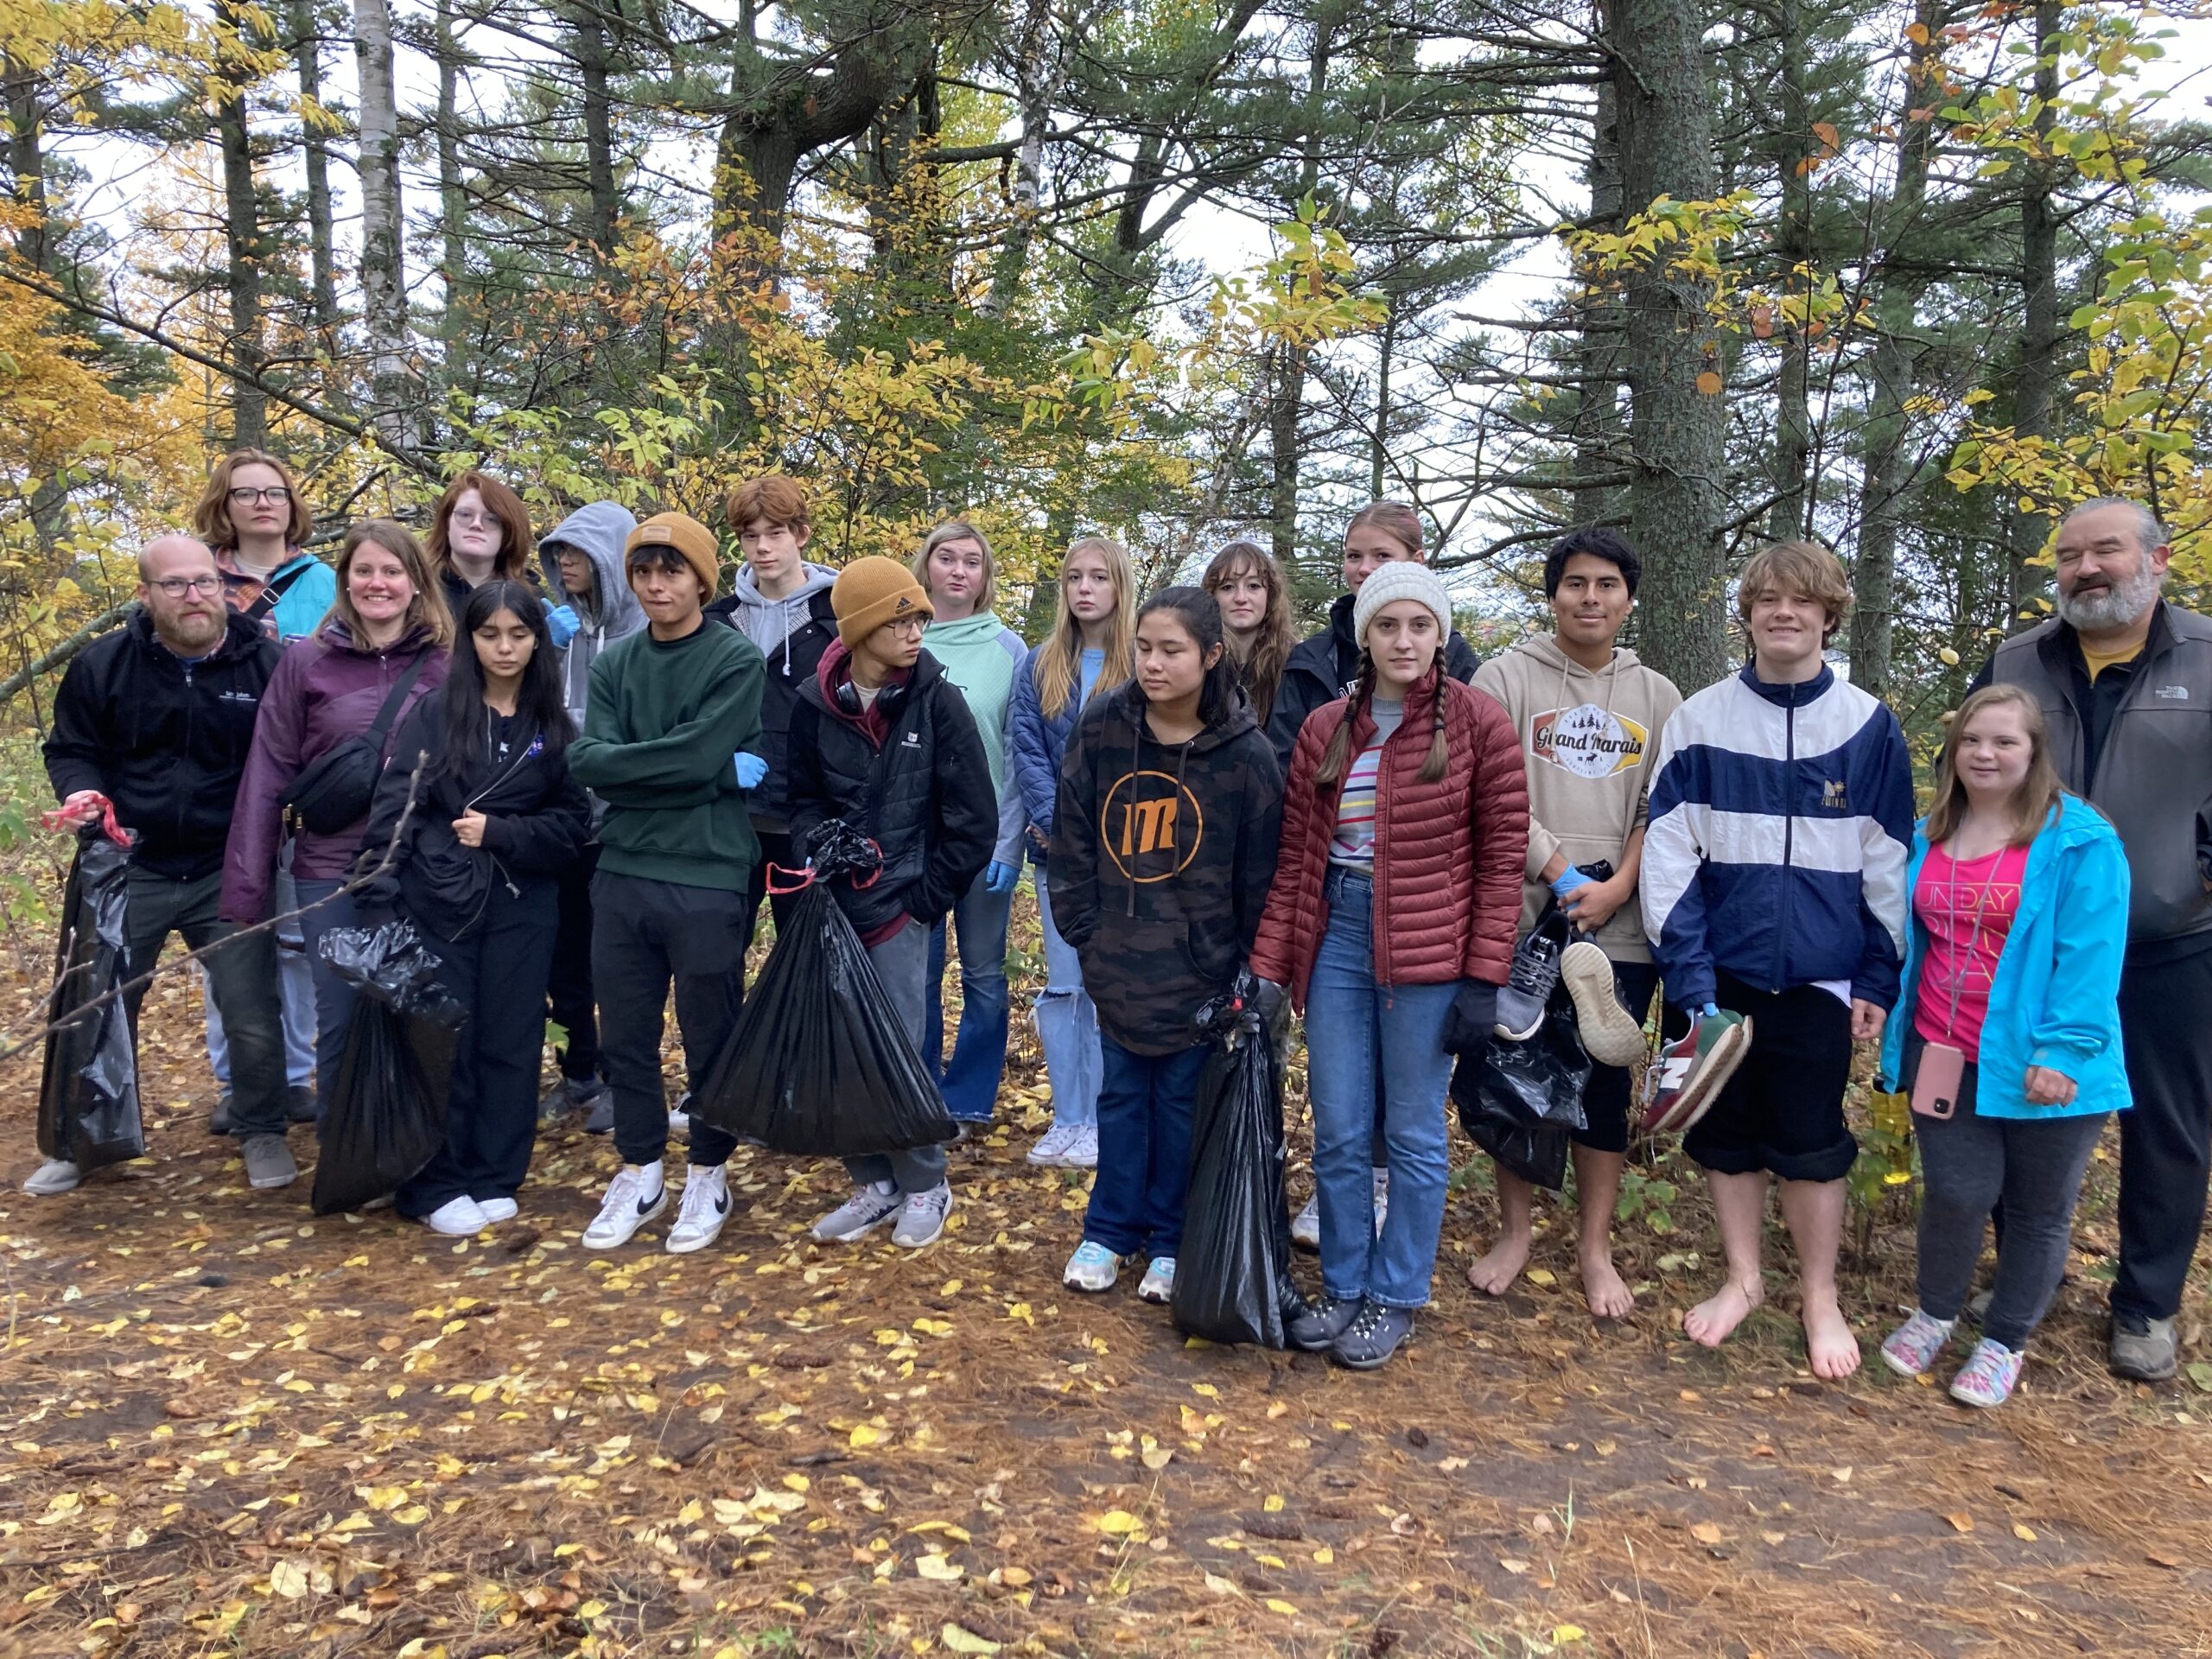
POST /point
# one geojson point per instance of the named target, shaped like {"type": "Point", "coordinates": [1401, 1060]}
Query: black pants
{"type": "Point", "coordinates": [1782, 1111]}
{"type": "Point", "coordinates": [2165, 1141]}
{"type": "Point", "coordinates": [241, 976]}
{"type": "Point", "coordinates": [496, 971]}
{"type": "Point", "coordinates": [568, 987]}
{"type": "Point", "coordinates": [775, 848]}
{"type": "Point", "coordinates": [645, 934]}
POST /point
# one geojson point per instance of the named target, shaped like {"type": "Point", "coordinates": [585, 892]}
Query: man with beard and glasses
{"type": "Point", "coordinates": [2124, 680]}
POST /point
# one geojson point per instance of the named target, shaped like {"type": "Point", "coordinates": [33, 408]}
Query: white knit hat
{"type": "Point", "coordinates": [1400, 579]}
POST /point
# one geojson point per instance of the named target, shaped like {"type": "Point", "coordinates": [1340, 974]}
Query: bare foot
{"type": "Point", "coordinates": [1828, 1341]}
{"type": "Point", "coordinates": [1608, 1292]}
{"type": "Point", "coordinates": [1715, 1319]}
{"type": "Point", "coordinates": [1493, 1275]}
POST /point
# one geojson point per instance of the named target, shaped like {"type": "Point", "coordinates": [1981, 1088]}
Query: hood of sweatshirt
{"type": "Point", "coordinates": [600, 530]}
{"type": "Point", "coordinates": [769, 622]}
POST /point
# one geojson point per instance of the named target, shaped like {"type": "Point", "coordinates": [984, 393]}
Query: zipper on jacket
{"type": "Point", "coordinates": [191, 714]}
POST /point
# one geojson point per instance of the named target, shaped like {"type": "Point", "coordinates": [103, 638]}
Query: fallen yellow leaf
{"type": "Point", "coordinates": [1282, 1607]}
{"type": "Point", "coordinates": [936, 1567]}
{"type": "Point", "coordinates": [1961, 1520]}
{"type": "Point", "coordinates": [2026, 1534]}
{"type": "Point", "coordinates": [1542, 1276]}
{"type": "Point", "coordinates": [864, 1434]}
{"type": "Point", "coordinates": [957, 1639]}
{"type": "Point", "coordinates": [1706, 1532]}
{"type": "Point", "coordinates": [1274, 1503]}
{"type": "Point", "coordinates": [1118, 1523]}
{"type": "Point", "coordinates": [1567, 1633]}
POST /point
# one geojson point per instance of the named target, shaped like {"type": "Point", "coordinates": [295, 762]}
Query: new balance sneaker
{"type": "Point", "coordinates": [705, 1207]}
{"type": "Point", "coordinates": [53, 1178]}
{"type": "Point", "coordinates": [1306, 1225]}
{"type": "Point", "coordinates": [921, 1219]}
{"type": "Point", "coordinates": [1689, 1073]}
{"type": "Point", "coordinates": [1093, 1268]}
{"type": "Point", "coordinates": [872, 1204]}
{"type": "Point", "coordinates": [1527, 989]}
{"type": "Point", "coordinates": [1914, 1346]}
{"type": "Point", "coordinates": [635, 1196]}
{"type": "Point", "coordinates": [498, 1210]}
{"type": "Point", "coordinates": [1158, 1285]}
{"type": "Point", "coordinates": [1050, 1151]}
{"type": "Point", "coordinates": [1989, 1377]}
{"type": "Point", "coordinates": [458, 1217]}
{"type": "Point", "coordinates": [1612, 1035]}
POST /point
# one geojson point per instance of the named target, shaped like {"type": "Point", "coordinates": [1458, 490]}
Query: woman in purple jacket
{"type": "Point", "coordinates": [388, 625]}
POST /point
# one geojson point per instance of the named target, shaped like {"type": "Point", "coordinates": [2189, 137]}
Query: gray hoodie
{"type": "Point", "coordinates": [768, 622]}
{"type": "Point", "coordinates": [600, 530]}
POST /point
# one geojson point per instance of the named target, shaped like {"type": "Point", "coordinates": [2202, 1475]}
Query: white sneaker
{"type": "Point", "coordinates": [1052, 1147]}
{"type": "Point", "coordinates": [1158, 1284]}
{"type": "Point", "coordinates": [1093, 1268]}
{"type": "Point", "coordinates": [922, 1220]}
{"type": "Point", "coordinates": [1083, 1154]}
{"type": "Point", "coordinates": [635, 1196]}
{"type": "Point", "coordinates": [53, 1178]}
{"type": "Point", "coordinates": [1611, 1034]}
{"type": "Point", "coordinates": [1382, 1199]}
{"type": "Point", "coordinates": [699, 1218]}
{"type": "Point", "coordinates": [457, 1218]}
{"type": "Point", "coordinates": [872, 1204]}
{"type": "Point", "coordinates": [498, 1210]}
{"type": "Point", "coordinates": [1306, 1225]}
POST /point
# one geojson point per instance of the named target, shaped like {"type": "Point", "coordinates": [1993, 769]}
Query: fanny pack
{"type": "Point", "coordinates": [334, 790]}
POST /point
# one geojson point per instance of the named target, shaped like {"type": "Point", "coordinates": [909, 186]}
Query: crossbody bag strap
{"type": "Point", "coordinates": [394, 700]}
{"type": "Point", "coordinates": [276, 588]}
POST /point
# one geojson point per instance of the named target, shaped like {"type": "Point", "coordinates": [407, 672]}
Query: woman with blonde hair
{"type": "Point", "coordinates": [2008, 1029]}
{"type": "Point", "coordinates": [1256, 620]}
{"type": "Point", "coordinates": [380, 650]}
{"type": "Point", "coordinates": [1088, 651]}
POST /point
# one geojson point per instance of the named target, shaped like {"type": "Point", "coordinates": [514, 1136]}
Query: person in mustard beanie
{"type": "Point", "coordinates": [882, 739]}
{"type": "Point", "coordinates": [692, 540]}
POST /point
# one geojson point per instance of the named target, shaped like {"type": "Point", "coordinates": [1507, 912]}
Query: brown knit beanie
{"type": "Point", "coordinates": [871, 592]}
{"type": "Point", "coordinates": [692, 540]}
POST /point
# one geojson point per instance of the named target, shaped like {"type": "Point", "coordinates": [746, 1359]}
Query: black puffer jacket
{"type": "Point", "coordinates": [910, 774]}
{"type": "Point", "coordinates": [537, 820]}
{"type": "Point", "coordinates": [166, 743]}
{"type": "Point", "coordinates": [791, 666]}
{"type": "Point", "coordinates": [1321, 669]}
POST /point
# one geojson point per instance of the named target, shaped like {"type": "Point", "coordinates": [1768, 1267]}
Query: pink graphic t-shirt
{"type": "Point", "coordinates": [1967, 910]}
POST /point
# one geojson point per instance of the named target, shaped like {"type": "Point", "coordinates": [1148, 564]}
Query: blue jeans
{"type": "Point", "coordinates": [1145, 1105]}
{"type": "Point", "coordinates": [970, 1079]}
{"type": "Point", "coordinates": [1355, 1028]}
{"type": "Point", "coordinates": [333, 997]}
{"type": "Point", "coordinates": [1067, 1025]}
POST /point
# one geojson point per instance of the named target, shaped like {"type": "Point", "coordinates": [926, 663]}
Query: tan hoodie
{"type": "Point", "coordinates": [1589, 741]}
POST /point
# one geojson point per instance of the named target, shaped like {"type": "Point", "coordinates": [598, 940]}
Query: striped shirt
{"type": "Point", "coordinates": [1353, 844]}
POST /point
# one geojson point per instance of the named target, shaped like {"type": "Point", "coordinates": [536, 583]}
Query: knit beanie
{"type": "Point", "coordinates": [1400, 579]}
{"type": "Point", "coordinates": [871, 592]}
{"type": "Point", "coordinates": [693, 542]}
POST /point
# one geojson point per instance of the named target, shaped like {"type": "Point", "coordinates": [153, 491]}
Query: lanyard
{"type": "Point", "coordinates": [1960, 958]}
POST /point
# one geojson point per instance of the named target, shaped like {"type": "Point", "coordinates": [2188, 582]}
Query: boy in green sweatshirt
{"type": "Point", "coordinates": [669, 708]}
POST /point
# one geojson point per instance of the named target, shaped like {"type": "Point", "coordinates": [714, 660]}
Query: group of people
{"type": "Point", "coordinates": [575, 780]}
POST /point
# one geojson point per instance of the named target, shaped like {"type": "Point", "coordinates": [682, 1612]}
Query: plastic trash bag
{"type": "Point", "coordinates": [1518, 1101]}
{"type": "Point", "coordinates": [385, 1118]}
{"type": "Point", "coordinates": [88, 1097]}
{"type": "Point", "coordinates": [820, 1065]}
{"type": "Point", "coordinates": [1232, 1270]}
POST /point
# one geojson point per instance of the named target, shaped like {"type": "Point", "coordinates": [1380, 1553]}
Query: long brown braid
{"type": "Point", "coordinates": [1338, 755]}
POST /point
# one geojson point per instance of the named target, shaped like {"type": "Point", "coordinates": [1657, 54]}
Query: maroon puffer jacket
{"type": "Point", "coordinates": [324, 691]}
{"type": "Point", "coordinates": [1448, 855]}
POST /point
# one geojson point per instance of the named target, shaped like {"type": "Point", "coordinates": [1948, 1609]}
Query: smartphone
{"type": "Point", "coordinates": [1935, 1084]}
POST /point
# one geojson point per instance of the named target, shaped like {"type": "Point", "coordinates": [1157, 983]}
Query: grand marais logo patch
{"type": "Point", "coordinates": [1150, 826]}
{"type": "Point", "coordinates": [1588, 742]}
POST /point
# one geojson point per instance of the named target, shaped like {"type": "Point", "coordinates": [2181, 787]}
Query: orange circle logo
{"type": "Point", "coordinates": [1133, 829]}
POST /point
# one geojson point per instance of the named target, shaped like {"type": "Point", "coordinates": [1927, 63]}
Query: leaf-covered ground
{"type": "Point", "coordinates": [233, 1427]}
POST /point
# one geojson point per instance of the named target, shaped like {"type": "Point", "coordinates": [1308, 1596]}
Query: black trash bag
{"type": "Point", "coordinates": [1232, 1270]}
{"type": "Point", "coordinates": [1518, 1101]}
{"type": "Point", "coordinates": [820, 1065]}
{"type": "Point", "coordinates": [385, 1118]}
{"type": "Point", "coordinates": [88, 1097]}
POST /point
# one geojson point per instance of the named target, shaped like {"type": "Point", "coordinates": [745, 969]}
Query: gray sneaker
{"type": "Point", "coordinates": [53, 1178]}
{"type": "Point", "coordinates": [1370, 1340]}
{"type": "Point", "coordinates": [269, 1161]}
{"type": "Point", "coordinates": [2142, 1349]}
{"type": "Point", "coordinates": [871, 1205]}
{"type": "Point", "coordinates": [601, 1121]}
{"type": "Point", "coordinates": [923, 1218]}
{"type": "Point", "coordinates": [1315, 1330]}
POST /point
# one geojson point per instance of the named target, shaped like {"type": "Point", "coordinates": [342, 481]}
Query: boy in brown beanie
{"type": "Point", "coordinates": [882, 740]}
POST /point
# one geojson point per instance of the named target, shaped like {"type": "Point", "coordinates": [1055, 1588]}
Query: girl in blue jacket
{"type": "Point", "coordinates": [1087, 653]}
{"type": "Point", "coordinates": [2020, 926]}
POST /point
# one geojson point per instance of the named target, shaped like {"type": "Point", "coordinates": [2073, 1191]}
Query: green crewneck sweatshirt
{"type": "Point", "coordinates": [663, 726]}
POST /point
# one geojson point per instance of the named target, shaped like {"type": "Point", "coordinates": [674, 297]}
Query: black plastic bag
{"type": "Point", "coordinates": [1232, 1270]}
{"type": "Point", "coordinates": [1518, 1101]}
{"type": "Point", "coordinates": [88, 1095]}
{"type": "Point", "coordinates": [820, 1065]}
{"type": "Point", "coordinates": [385, 1118]}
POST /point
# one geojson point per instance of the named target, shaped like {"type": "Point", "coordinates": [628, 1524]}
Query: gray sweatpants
{"type": "Point", "coordinates": [902, 963]}
{"type": "Point", "coordinates": [1967, 1162]}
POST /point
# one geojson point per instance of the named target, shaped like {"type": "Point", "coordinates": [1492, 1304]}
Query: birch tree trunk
{"type": "Point", "coordinates": [384, 277]}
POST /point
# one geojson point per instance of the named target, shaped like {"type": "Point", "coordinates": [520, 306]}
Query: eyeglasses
{"type": "Point", "coordinates": [908, 627]}
{"type": "Point", "coordinates": [471, 520]}
{"type": "Point", "coordinates": [275, 495]}
{"type": "Point", "coordinates": [178, 587]}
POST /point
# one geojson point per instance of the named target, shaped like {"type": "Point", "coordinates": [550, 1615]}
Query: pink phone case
{"type": "Point", "coordinates": [1935, 1084]}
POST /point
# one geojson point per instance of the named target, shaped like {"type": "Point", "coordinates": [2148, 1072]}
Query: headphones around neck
{"type": "Point", "coordinates": [888, 699]}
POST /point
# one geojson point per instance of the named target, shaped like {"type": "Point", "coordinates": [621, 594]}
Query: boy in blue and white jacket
{"type": "Point", "coordinates": [1774, 886]}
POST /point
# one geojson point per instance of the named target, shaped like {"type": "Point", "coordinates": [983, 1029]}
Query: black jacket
{"type": "Point", "coordinates": [792, 665]}
{"type": "Point", "coordinates": [1321, 669]}
{"type": "Point", "coordinates": [166, 743]}
{"type": "Point", "coordinates": [910, 773]}
{"type": "Point", "coordinates": [538, 822]}
{"type": "Point", "coordinates": [1161, 860]}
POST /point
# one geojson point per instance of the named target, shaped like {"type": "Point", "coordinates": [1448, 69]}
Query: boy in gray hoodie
{"type": "Point", "coordinates": [1589, 715]}
{"type": "Point", "coordinates": [582, 561]}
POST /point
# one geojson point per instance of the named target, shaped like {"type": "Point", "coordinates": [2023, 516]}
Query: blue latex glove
{"type": "Point", "coordinates": [1710, 1011]}
{"type": "Point", "coordinates": [1569, 880]}
{"type": "Point", "coordinates": [751, 769]}
{"type": "Point", "coordinates": [1001, 878]}
{"type": "Point", "coordinates": [562, 622]}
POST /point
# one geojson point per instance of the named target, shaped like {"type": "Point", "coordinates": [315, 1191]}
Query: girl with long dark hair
{"type": "Point", "coordinates": [1256, 620]}
{"type": "Point", "coordinates": [496, 819]}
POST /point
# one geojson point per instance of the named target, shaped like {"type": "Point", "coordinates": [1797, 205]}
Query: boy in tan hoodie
{"type": "Point", "coordinates": [1589, 715]}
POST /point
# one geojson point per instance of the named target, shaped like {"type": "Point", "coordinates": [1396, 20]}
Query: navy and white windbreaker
{"type": "Point", "coordinates": [1779, 830]}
